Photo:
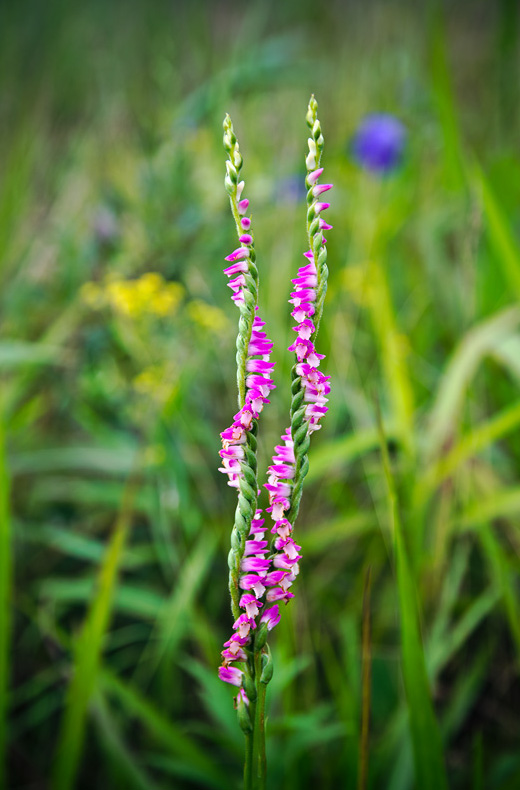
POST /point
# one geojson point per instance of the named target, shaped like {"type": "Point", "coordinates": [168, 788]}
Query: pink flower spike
{"type": "Point", "coordinates": [250, 604]}
{"type": "Point", "coordinates": [305, 281]}
{"type": "Point", "coordinates": [314, 358]}
{"type": "Point", "coordinates": [283, 561]}
{"type": "Point", "coordinates": [274, 578]}
{"type": "Point", "coordinates": [259, 366]}
{"type": "Point", "coordinates": [257, 524]}
{"type": "Point", "coordinates": [279, 489]}
{"type": "Point", "coordinates": [244, 624]}
{"type": "Point", "coordinates": [309, 268]}
{"type": "Point", "coordinates": [309, 254]}
{"type": "Point", "coordinates": [271, 616]}
{"type": "Point", "coordinates": [236, 639]}
{"type": "Point", "coordinates": [278, 508]}
{"type": "Point", "coordinates": [246, 238]}
{"type": "Point", "coordinates": [305, 329]}
{"type": "Point", "coordinates": [320, 207]}
{"type": "Point", "coordinates": [238, 254]}
{"type": "Point", "coordinates": [302, 311]}
{"type": "Point", "coordinates": [243, 206]}
{"type": "Point", "coordinates": [230, 655]}
{"type": "Point", "coordinates": [255, 547]}
{"type": "Point", "coordinates": [319, 189]}
{"type": "Point", "coordinates": [278, 594]}
{"type": "Point", "coordinates": [313, 177]}
{"type": "Point", "coordinates": [285, 471]}
{"type": "Point", "coordinates": [303, 295]}
{"type": "Point", "coordinates": [251, 581]}
{"type": "Point", "coordinates": [324, 225]}
{"type": "Point", "coordinates": [231, 675]}
{"type": "Point", "coordinates": [245, 222]}
{"type": "Point", "coordinates": [255, 564]}
{"type": "Point", "coordinates": [242, 697]}
{"type": "Point", "coordinates": [235, 268]}
{"type": "Point", "coordinates": [282, 528]}
{"type": "Point", "coordinates": [237, 283]}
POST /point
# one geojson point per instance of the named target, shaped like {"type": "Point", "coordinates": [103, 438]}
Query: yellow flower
{"type": "Point", "coordinates": [211, 318]}
{"type": "Point", "coordinates": [155, 382]}
{"type": "Point", "coordinates": [146, 295]}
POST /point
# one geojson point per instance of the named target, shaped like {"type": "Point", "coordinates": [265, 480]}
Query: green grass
{"type": "Point", "coordinates": [112, 615]}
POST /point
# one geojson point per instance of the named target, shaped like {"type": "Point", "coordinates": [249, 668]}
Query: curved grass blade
{"type": "Point", "coordinates": [481, 340]}
{"type": "Point", "coordinates": [164, 730]}
{"type": "Point", "coordinates": [5, 600]}
{"type": "Point", "coordinates": [364, 744]}
{"type": "Point", "coordinates": [430, 771]}
{"type": "Point", "coordinates": [501, 237]}
{"type": "Point", "coordinates": [333, 456]}
{"type": "Point", "coordinates": [469, 445]}
{"type": "Point", "coordinates": [126, 772]}
{"type": "Point", "coordinates": [87, 655]}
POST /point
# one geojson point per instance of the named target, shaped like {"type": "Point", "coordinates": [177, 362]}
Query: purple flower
{"type": "Point", "coordinates": [379, 142]}
{"type": "Point", "coordinates": [271, 616]}
{"type": "Point", "coordinates": [231, 675]}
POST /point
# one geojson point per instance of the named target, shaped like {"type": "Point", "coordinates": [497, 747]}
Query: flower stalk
{"type": "Point", "coordinates": [263, 570]}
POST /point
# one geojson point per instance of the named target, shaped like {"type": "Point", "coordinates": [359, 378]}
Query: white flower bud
{"type": "Point", "coordinates": [310, 161]}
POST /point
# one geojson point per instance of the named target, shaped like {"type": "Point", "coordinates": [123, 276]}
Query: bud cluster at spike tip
{"type": "Point", "coordinates": [316, 388]}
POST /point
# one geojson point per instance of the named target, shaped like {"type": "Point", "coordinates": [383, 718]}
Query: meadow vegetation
{"type": "Point", "coordinates": [117, 377]}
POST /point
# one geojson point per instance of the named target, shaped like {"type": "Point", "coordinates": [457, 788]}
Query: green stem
{"type": "Point", "coordinates": [248, 761]}
{"type": "Point", "coordinates": [259, 760]}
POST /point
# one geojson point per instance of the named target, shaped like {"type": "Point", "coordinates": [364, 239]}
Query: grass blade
{"type": "Point", "coordinates": [5, 600]}
{"type": "Point", "coordinates": [164, 730]}
{"type": "Point", "coordinates": [469, 445]}
{"type": "Point", "coordinates": [125, 770]}
{"type": "Point", "coordinates": [479, 341]}
{"type": "Point", "coordinates": [366, 686]}
{"type": "Point", "coordinates": [430, 772]}
{"type": "Point", "coordinates": [173, 616]}
{"type": "Point", "coordinates": [87, 656]}
{"type": "Point", "coordinates": [502, 240]}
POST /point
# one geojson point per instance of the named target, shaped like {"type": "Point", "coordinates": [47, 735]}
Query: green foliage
{"type": "Point", "coordinates": [117, 342]}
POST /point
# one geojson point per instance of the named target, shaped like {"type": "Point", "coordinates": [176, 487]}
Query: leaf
{"type": "Point", "coordinates": [173, 615]}
{"type": "Point", "coordinates": [135, 600]}
{"type": "Point", "coordinates": [163, 729]}
{"type": "Point", "coordinates": [483, 339]}
{"type": "Point", "coordinates": [81, 546]}
{"type": "Point", "coordinates": [17, 352]}
{"type": "Point", "coordinates": [502, 240]}
{"type": "Point", "coordinates": [87, 657]}
{"type": "Point", "coordinates": [459, 633]}
{"type": "Point", "coordinates": [468, 446]}
{"type": "Point", "coordinates": [430, 772]}
{"type": "Point", "coordinates": [128, 771]}
{"type": "Point", "coordinates": [332, 457]}
{"type": "Point", "coordinates": [5, 599]}
{"type": "Point", "coordinates": [100, 460]}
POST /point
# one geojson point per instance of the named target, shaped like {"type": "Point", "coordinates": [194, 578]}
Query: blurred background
{"type": "Point", "coordinates": [117, 376]}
